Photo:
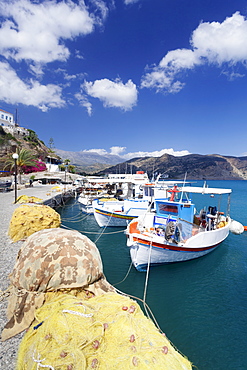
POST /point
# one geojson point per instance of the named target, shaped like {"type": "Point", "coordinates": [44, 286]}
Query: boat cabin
{"type": "Point", "coordinates": [179, 213]}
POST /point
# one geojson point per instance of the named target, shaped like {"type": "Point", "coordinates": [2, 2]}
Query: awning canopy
{"type": "Point", "coordinates": [204, 190]}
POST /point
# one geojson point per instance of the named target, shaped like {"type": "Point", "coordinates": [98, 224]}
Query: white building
{"type": "Point", "coordinates": [52, 164]}
{"type": "Point", "coordinates": [6, 119]}
{"type": "Point", "coordinates": [8, 124]}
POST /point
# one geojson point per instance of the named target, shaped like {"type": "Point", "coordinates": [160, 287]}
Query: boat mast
{"type": "Point", "coordinates": [182, 193]}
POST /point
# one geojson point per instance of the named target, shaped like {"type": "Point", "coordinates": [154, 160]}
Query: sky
{"type": "Point", "coordinates": [128, 77]}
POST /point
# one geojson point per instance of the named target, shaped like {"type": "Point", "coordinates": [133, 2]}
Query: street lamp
{"type": "Point", "coordinates": [66, 169]}
{"type": "Point", "coordinates": [65, 173]}
{"type": "Point", "coordinates": [15, 156]}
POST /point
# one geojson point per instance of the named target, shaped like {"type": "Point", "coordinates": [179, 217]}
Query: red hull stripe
{"type": "Point", "coordinates": [114, 215]}
{"type": "Point", "coordinates": [172, 247]}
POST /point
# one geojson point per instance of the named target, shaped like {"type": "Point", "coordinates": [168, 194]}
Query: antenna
{"type": "Point", "coordinates": [16, 117]}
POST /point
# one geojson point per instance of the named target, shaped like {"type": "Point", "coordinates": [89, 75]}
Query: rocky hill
{"type": "Point", "coordinates": [89, 162]}
{"type": "Point", "coordinates": [9, 143]}
{"type": "Point", "coordinates": [197, 167]}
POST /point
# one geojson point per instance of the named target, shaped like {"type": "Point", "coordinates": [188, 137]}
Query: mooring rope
{"type": "Point", "coordinates": [147, 277]}
{"type": "Point", "coordinates": [103, 230]}
{"type": "Point", "coordinates": [131, 263]}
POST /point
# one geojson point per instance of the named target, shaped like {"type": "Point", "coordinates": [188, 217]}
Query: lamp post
{"type": "Point", "coordinates": [66, 169]}
{"type": "Point", "coordinates": [15, 156]}
{"type": "Point", "coordinates": [65, 173]}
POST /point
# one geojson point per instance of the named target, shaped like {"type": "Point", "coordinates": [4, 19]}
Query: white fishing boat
{"type": "Point", "coordinates": [100, 187]}
{"type": "Point", "coordinates": [117, 212]}
{"type": "Point", "coordinates": [87, 196]}
{"type": "Point", "coordinates": [175, 232]}
{"type": "Point", "coordinates": [85, 201]}
{"type": "Point", "coordinates": [121, 212]}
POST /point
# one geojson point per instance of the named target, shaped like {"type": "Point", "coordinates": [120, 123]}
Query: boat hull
{"type": "Point", "coordinates": [87, 209]}
{"type": "Point", "coordinates": [85, 205]}
{"type": "Point", "coordinates": [106, 218]}
{"type": "Point", "coordinates": [118, 213]}
{"type": "Point", "coordinates": [144, 251]}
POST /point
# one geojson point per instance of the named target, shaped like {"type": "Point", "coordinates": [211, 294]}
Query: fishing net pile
{"type": "Point", "coordinates": [28, 199]}
{"type": "Point", "coordinates": [27, 219]}
{"type": "Point", "coordinates": [105, 332]}
{"type": "Point", "coordinates": [75, 318]}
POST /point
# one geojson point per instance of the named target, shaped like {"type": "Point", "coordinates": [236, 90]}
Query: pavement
{"type": "Point", "coordinates": [43, 192]}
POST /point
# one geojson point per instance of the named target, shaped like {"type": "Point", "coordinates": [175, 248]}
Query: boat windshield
{"type": "Point", "coordinates": [164, 209]}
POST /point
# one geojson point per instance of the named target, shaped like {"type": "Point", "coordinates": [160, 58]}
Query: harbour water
{"type": "Point", "coordinates": [201, 305]}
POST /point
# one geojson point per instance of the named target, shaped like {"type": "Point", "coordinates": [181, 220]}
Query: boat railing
{"type": "Point", "coordinates": [210, 222]}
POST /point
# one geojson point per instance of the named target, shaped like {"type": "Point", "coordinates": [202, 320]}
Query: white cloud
{"type": "Point", "coordinates": [127, 2]}
{"type": "Point", "coordinates": [117, 150]}
{"type": "Point", "coordinates": [211, 43]}
{"type": "Point", "coordinates": [101, 9]}
{"type": "Point", "coordinates": [84, 102]}
{"type": "Point", "coordinates": [113, 93]}
{"type": "Point", "coordinates": [224, 42]}
{"type": "Point", "coordinates": [157, 153]}
{"type": "Point", "coordinates": [35, 31]}
{"type": "Point", "coordinates": [98, 151]}
{"type": "Point", "coordinates": [13, 91]}
{"type": "Point", "coordinates": [78, 54]}
{"type": "Point", "coordinates": [36, 70]}
{"type": "Point", "coordinates": [70, 77]}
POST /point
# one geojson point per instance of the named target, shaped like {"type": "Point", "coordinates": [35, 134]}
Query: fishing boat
{"type": "Point", "coordinates": [87, 196]}
{"type": "Point", "coordinates": [112, 188]}
{"type": "Point", "coordinates": [120, 212]}
{"type": "Point", "coordinates": [116, 212]}
{"type": "Point", "coordinates": [85, 201]}
{"type": "Point", "coordinates": [175, 231]}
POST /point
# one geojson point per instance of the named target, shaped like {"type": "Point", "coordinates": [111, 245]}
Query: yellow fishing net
{"type": "Point", "coordinates": [27, 199]}
{"type": "Point", "coordinates": [105, 332]}
{"type": "Point", "coordinates": [27, 219]}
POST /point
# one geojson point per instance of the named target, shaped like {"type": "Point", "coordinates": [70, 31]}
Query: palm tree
{"type": "Point", "coordinates": [25, 158]}
{"type": "Point", "coordinates": [66, 162]}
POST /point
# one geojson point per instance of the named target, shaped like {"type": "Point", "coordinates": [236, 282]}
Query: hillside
{"type": "Point", "coordinates": [197, 167]}
{"type": "Point", "coordinates": [9, 143]}
{"type": "Point", "coordinates": [89, 162]}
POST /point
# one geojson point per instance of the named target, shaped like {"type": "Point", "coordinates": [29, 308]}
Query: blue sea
{"type": "Point", "coordinates": [201, 305]}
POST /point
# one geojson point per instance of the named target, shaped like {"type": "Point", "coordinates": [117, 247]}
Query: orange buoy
{"type": "Point", "coordinates": [245, 228]}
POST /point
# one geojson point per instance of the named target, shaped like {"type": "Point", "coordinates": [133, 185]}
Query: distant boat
{"type": "Point", "coordinates": [113, 188]}
{"type": "Point", "coordinates": [174, 232]}
{"type": "Point", "coordinates": [85, 201]}
{"type": "Point", "coordinates": [87, 196]}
